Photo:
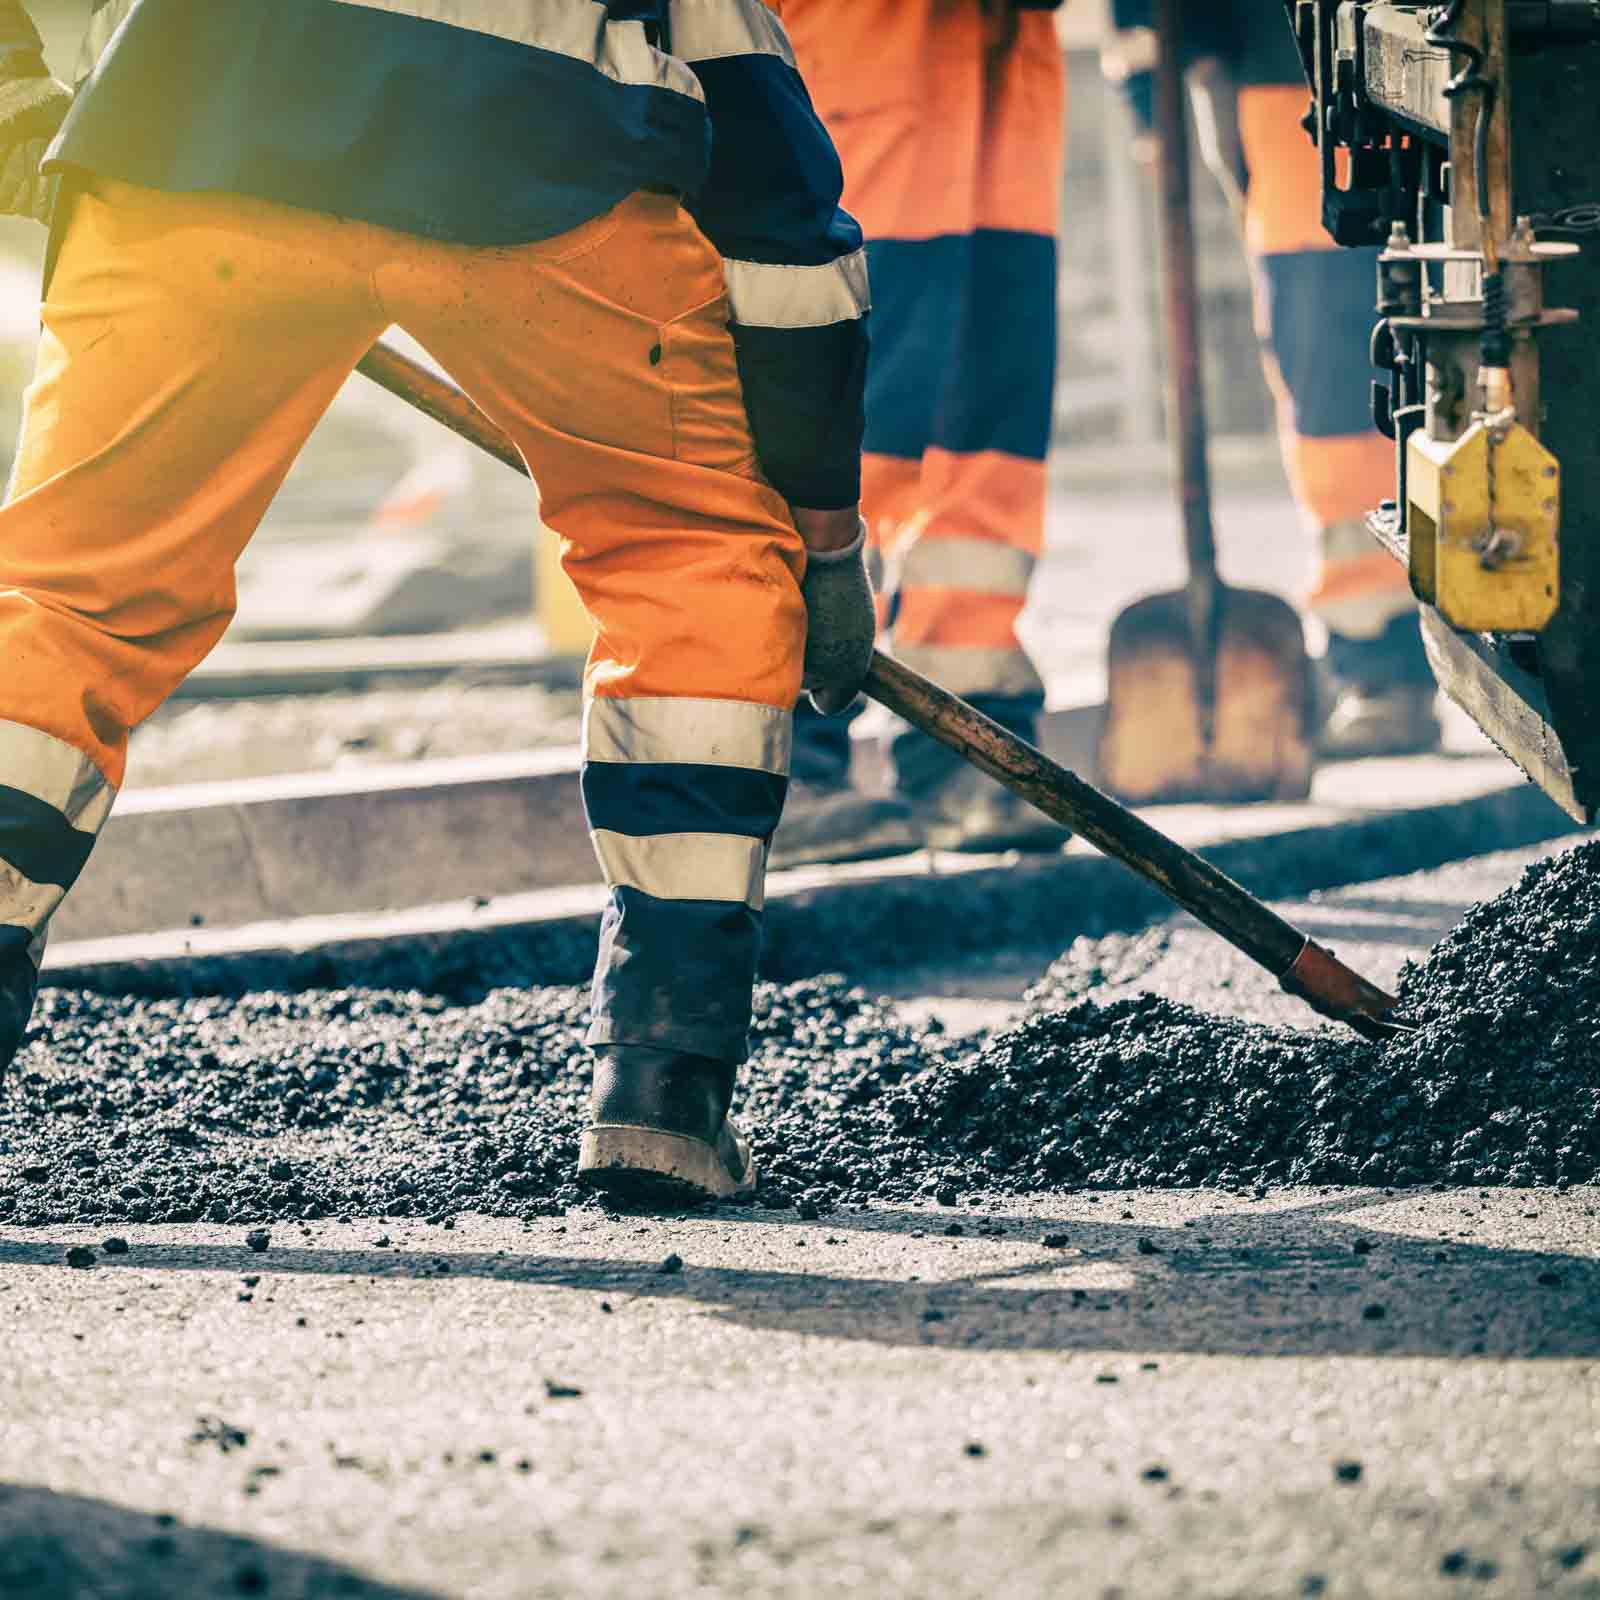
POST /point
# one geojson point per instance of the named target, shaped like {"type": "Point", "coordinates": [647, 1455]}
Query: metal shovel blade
{"type": "Point", "coordinates": [1155, 747]}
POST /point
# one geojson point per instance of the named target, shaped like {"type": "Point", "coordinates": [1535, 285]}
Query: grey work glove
{"type": "Point", "coordinates": [31, 112]}
{"type": "Point", "coordinates": [841, 624]}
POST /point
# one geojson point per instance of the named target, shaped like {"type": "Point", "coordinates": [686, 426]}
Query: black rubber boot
{"type": "Point", "coordinates": [824, 819]}
{"type": "Point", "coordinates": [658, 1129]}
{"type": "Point", "coordinates": [19, 983]}
{"type": "Point", "coordinates": [961, 809]}
{"type": "Point", "coordinates": [1378, 695]}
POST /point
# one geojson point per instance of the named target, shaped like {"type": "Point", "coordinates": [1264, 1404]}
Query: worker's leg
{"type": "Point", "coordinates": [899, 84]}
{"type": "Point", "coordinates": [189, 346]}
{"type": "Point", "coordinates": [1314, 310]}
{"type": "Point", "coordinates": [968, 551]}
{"type": "Point", "coordinates": [606, 355]}
{"type": "Point", "coordinates": [950, 130]}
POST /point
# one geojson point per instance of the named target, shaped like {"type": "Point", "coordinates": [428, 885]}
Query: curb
{"type": "Point", "coordinates": [869, 918]}
{"type": "Point", "coordinates": [371, 839]}
{"type": "Point", "coordinates": [241, 669]}
{"type": "Point", "coordinates": [260, 849]}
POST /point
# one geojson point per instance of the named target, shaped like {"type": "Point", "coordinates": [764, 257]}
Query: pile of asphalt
{"type": "Point", "coordinates": [382, 1102]}
{"type": "Point", "coordinates": [393, 1103]}
{"type": "Point", "coordinates": [1497, 1080]}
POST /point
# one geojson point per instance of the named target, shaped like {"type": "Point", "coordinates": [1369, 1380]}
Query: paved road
{"type": "Point", "coordinates": [863, 1404]}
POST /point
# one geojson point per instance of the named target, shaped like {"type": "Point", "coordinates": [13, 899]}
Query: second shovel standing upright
{"type": "Point", "coordinates": [1210, 693]}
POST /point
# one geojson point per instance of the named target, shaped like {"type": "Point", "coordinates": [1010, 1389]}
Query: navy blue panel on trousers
{"type": "Point", "coordinates": [1319, 316]}
{"type": "Point", "coordinates": [963, 344]}
{"type": "Point", "coordinates": [998, 395]}
{"type": "Point", "coordinates": [39, 842]}
{"type": "Point", "coordinates": [642, 798]}
{"type": "Point", "coordinates": [677, 973]}
{"type": "Point", "coordinates": [918, 287]}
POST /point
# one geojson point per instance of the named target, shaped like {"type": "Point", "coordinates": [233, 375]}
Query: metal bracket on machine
{"type": "Point", "coordinates": [1412, 114]}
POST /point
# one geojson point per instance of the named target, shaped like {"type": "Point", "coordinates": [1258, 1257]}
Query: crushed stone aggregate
{"type": "Point", "coordinates": [392, 1103]}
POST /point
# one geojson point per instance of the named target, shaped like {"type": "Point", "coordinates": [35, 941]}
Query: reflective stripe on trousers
{"type": "Point", "coordinates": [53, 803]}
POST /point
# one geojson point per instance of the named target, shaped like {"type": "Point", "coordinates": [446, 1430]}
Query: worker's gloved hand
{"type": "Point", "coordinates": [841, 623]}
{"type": "Point", "coordinates": [32, 109]}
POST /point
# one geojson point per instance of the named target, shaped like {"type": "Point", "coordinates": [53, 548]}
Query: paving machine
{"type": "Point", "coordinates": [1463, 140]}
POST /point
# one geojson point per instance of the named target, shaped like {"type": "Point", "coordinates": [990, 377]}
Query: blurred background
{"type": "Point", "coordinates": [401, 601]}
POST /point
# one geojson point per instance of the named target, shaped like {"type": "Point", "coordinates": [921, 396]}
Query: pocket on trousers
{"type": "Point", "coordinates": [701, 371]}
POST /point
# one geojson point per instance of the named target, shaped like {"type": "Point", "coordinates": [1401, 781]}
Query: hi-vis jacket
{"type": "Point", "coordinates": [499, 122]}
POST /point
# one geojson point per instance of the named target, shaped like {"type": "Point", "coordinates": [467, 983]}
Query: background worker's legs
{"type": "Point", "coordinates": [950, 129]}
{"type": "Point", "coordinates": [967, 551]}
{"type": "Point", "coordinates": [606, 356]}
{"type": "Point", "coordinates": [189, 346]}
{"type": "Point", "coordinates": [1314, 311]}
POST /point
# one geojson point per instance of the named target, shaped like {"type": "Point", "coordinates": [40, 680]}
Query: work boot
{"type": "Point", "coordinates": [833, 822]}
{"type": "Point", "coordinates": [824, 818]}
{"type": "Point", "coordinates": [973, 814]}
{"type": "Point", "coordinates": [1378, 695]}
{"type": "Point", "coordinates": [960, 808]}
{"type": "Point", "coordinates": [658, 1129]}
{"type": "Point", "coordinates": [19, 983]}
{"type": "Point", "coordinates": [1400, 720]}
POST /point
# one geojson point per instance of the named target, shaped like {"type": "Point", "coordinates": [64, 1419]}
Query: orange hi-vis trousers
{"type": "Point", "coordinates": [949, 122]}
{"type": "Point", "coordinates": [1314, 311]}
{"type": "Point", "coordinates": [190, 344]}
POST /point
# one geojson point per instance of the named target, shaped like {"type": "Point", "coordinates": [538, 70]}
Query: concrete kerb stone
{"type": "Point", "coordinates": [226, 854]}
{"type": "Point", "coordinates": [508, 653]}
{"type": "Point", "coordinates": [222, 855]}
{"type": "Point", "coordinates": [864, 919]}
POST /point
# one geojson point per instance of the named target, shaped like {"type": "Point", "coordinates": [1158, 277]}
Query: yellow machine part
{"type": "Point", "coordinates": [1483, 518]}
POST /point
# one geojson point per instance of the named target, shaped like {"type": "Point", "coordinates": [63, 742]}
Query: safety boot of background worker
{"type": "Point", "coordinates": [19, 983]}
{"type": "Point", "coordinates": [1379, 696]}
{"type": "Point", "coordinates": [659, 1133]}
{"type": "Point", "coordinates": [959, 808]}
{"type": "Point", "coordinates": [824, 818]}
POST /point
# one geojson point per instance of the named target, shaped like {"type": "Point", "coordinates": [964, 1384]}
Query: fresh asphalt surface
{"type": "Point", "coordinates": [1313, 1392]}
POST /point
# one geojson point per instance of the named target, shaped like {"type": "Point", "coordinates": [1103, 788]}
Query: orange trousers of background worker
{"type": "Point", "coordinates": [948, 118]}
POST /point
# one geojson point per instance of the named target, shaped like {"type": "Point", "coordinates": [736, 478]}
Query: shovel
{"type": "Point", "coordinates": [1209, 689]}
{"type": "Point", "coordinates": [1301, 965]}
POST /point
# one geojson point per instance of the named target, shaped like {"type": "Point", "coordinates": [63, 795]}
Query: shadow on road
{"type": "Point", "coordinates": [1305, 1280]}
{"type": "Point", "coordinates": [65, 1547]}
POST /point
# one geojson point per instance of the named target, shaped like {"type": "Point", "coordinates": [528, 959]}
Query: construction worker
{"type": "Point", "coordinates": [619, 228]}
{"type": "Point", "coordinates": [1314, 315]}
{"type": "Point", "coordinates": [948, 115]}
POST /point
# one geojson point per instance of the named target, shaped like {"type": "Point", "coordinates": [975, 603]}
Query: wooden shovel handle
{"type": "Point", "coordinates": [1180, 291]}
{"type": "Point", "coordinates": [425, 391]}
{"type": "Point", "coordinates": [1182, 876]}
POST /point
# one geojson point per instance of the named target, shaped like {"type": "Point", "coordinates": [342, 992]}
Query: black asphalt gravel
{"type": "Point", "coordinates": [373, 1103]}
